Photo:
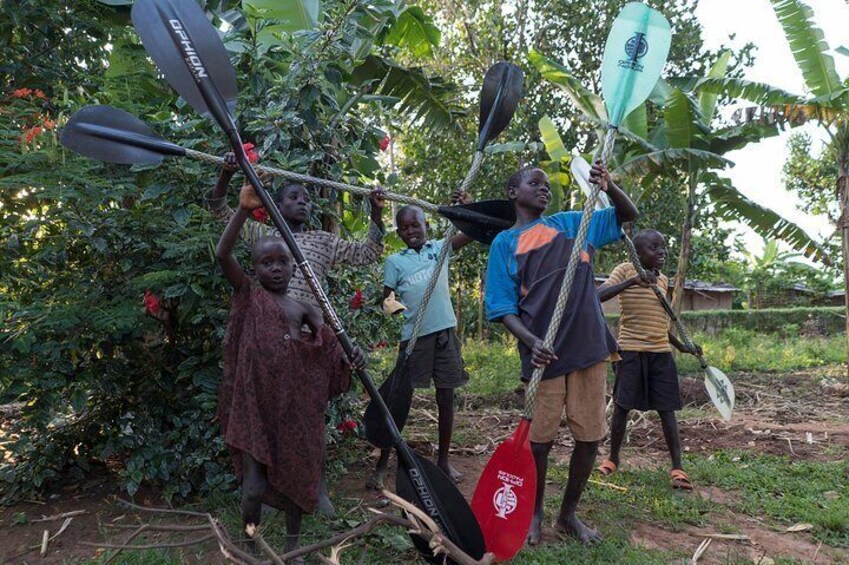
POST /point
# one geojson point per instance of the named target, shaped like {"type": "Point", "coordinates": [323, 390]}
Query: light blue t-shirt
{"type": "Point", "coordinates": [407, 273]}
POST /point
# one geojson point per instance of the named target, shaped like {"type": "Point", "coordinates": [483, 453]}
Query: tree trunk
{"type": "Point", "coordinates": [843, 192]}
{"type": "Point", "coordinates": [459, 307]}
{"type": "Point", "coordinates": [481, 289]}
{"type": "Point", "coordinates": [684, 254]}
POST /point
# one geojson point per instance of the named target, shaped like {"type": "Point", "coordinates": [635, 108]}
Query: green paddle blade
{"type": "Point", "coordinates": [720, 390]}
{"type": "Point", "coordinates": [634, 55]}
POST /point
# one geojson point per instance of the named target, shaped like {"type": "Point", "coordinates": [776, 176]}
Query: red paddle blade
{"type": "Point", "coordinates": [504, 498]}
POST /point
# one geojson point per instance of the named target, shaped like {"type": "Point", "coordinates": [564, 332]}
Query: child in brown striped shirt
{"type": "Point", "coordinates": [646, 377]}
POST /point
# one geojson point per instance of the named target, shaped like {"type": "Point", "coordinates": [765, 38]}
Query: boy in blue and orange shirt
{"type": "Point", "coordinates": [524, 274]}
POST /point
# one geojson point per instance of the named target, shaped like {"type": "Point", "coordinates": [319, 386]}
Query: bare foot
{"type": "Point", "coordinates": [452, 473]}
{"type": "Point", "coordinates": [325, 508]}
{"type": "Point", "coordinates": [573, 527]}
{"type": "Point", "coordinates": [375, 482]}
{"type": "Point", "coordinates": [535, 531]}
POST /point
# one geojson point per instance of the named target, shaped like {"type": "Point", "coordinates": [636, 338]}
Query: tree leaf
{"type": "Point", "coordinates": [807, 42]}
{"type": "Point", "coordinates": [414, 30]}
{"type": "Point", "coordinates": [587, 102]}
{"type": "Point", "coordinates": [553, 144]}
{"type": "Point", "coordinates": [730, 204]}
{"type": "Point", "coordinates": [289, 16]}
{"type": "Point", "coordinates": [681, 117]}
{"type": "Point", "coordinates": [707, 100]}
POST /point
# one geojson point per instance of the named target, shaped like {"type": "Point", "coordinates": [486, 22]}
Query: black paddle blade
{"type": "Point", "coordinates": [397, 393]}
{"type": "Point", "coordinates": [467, 533]}
{"type": "Point", "coordinates": [109, 134]}
{"type": "Point", "coordinates": [502, 89]}
{"type": "Point", "coordinates": [174, 33]}
{"type": "Point", "coordinates": [481, 221]}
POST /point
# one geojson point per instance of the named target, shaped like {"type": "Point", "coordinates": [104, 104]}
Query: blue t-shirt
{"type": "Point", "coordinates": [407, 273]}
{"type": "Point", "coordinates": [524, 273]}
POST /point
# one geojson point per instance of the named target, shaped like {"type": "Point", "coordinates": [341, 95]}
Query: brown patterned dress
{"type": "Point", "coordinates": [274, 391]}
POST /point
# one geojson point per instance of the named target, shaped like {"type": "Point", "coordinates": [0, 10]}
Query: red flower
{"type": "Point", "coordinates": [22, 92]}
{"type": "Point", "coordinates": [260, 215]}
{"type": "Point", "coordinates": [151, 303]}
{"type": "Point", "coordinates": [32, 133]}
{"type": "Point", "coordinates": [49, 124]}
{"type": "Point", "coordinates": [379, 345]}
{"type": "Point", "coordinates": [384, 143]}
{"type": "Point", "coordinates": [39, 94]}
{"type": "Point", "coordinates": [357, 300]}
{"type": "Point", "coordinates": [252, 155]}
{"type": "Point", "coordinates": [347, 426]}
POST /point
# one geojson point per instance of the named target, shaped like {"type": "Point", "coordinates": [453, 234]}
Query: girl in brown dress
{"type": "Point", "coordinates": [276, 381]}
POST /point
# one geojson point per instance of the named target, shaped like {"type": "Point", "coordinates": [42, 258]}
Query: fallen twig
{"type": "Point", "coordinates": [59, 516]}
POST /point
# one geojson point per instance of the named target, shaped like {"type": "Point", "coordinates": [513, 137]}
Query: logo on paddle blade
{"type": "Point", "coordinates": [189, 52]}
{"type": "Point", "coordinates": [505, 501]}
{"type": "Point", "coordinates": [636, 48]}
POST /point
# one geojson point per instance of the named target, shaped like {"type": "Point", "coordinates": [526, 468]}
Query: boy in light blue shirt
{"type": "Point", "coordinates": [436, 355]}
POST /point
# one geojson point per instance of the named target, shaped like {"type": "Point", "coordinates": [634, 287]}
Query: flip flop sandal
{"type": "Point", "coordinates": [680, 480]}
{"type": "Point", "coordinates": [607, 467]}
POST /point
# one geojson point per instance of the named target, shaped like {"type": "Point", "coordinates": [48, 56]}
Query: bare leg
{"type": "Point", "coordinates": [540, 452]}
{"type": "Point", "coordinates": [293, 527]}
{"type": "Point", "coordinates": [325, 507]}
{"type": "Point", "coordinates": [445, 404]}
{"type": "Point", "coordinates": [672, 436]}
{"type": "Point", "coordinates": [580, 467]}
{"type": "Point", "coordinates": [376, 480]}
{"type": "Point", "coordinates": [254, 486]}
{"type": "Point", "coordinates": [618, 424]}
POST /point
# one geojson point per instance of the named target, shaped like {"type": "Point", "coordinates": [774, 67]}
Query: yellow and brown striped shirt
{"type": "Point", "coordinates": [643, 324]}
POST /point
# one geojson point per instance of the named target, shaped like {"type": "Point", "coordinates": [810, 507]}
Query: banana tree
{"type": "Point", "coordinates": [826, 102]}
{"type": "Point", "coordinates": [682, 146]}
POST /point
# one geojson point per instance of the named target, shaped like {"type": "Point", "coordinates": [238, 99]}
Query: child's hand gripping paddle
{"type": "Point", "coordinates": [634, 55]}
{"type": "Point", "coordinates": [109, 134]}
{"type": "Point", "coordinates": [185, 47]}
{"type": "Point", "coordinates": [719, 387]}
{"type": "Point", "coordinates": [500, 94]}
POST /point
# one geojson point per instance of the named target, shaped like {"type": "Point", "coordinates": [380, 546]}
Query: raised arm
{"type": "Point", "coordinates": [248, 201]}
{"type": "Point", "coordinates": [626, 211]}
{"type": "Point", "coordinates": [216, 201]}
{"type": "Point", "coordinates": [224, 251]}
{"type": "Point", "coordinates": [460, 240]}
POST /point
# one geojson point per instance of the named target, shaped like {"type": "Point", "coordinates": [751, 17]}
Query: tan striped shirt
{"type": "Point", "coordinates": [323, 250]}
{"type": "Point", "coordinates": [643, 324]}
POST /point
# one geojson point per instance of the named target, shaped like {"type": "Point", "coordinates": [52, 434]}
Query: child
{"type": "Point", "coordinates": [646, 377]}
{"type": "Point", "coordinates": [323, 250]}
{"type": "Point", "coordinates": [436, 355]}
{"type": "Point", "coordinates": [524, 274]}
{"type": "Point", "coordinates": [276, 382]}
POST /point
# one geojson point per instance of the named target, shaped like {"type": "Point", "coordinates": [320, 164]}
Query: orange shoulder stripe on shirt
{"type": "Point", "coordinates": [534, 238]}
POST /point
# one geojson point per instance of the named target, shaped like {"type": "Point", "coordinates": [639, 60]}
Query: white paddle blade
{"type": "Point", "coordinates": [720, 390]}
{"type": "Point", "coordinates": [580, 170]}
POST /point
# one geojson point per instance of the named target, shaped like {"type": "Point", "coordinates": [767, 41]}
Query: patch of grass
{"type": "Point", "coordinates": [787, 493]}
{"type": "Point", "coordinates": [494, 366]}
{"type": "Point", "coordinates": [615, 550]}
{"type": "Point", "coordinates": [736, 349]}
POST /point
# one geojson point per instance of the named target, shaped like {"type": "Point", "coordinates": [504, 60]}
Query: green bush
{"type": "Point", "coordinates": [825, 320]}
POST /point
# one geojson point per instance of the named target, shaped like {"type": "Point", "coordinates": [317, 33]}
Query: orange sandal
{"type": "Point", "coordinates": [680, 480]}
{"type": "Point", "coordinates": [607, 467]}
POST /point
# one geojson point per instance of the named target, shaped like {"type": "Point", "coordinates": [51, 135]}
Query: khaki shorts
{"type": "Point", "coordinates": [582, 393]}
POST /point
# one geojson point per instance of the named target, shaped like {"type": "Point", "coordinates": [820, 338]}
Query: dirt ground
{"type": "Point", "coordinates": [803, 416]}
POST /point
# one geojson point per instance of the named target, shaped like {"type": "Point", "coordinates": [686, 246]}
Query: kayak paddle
{"type": "Point", "coordinates": [109, 134]}
{"type": "Point", "coordinates": [185, 47]}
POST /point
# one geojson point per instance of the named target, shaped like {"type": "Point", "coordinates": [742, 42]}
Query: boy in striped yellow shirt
{"type": "Point", "coordinates": [646, 377]}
